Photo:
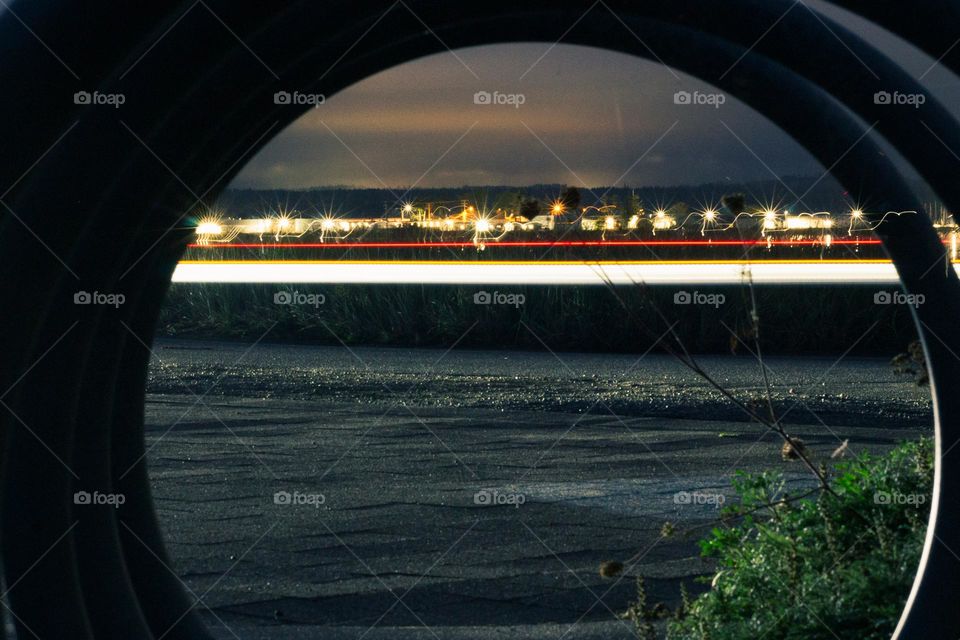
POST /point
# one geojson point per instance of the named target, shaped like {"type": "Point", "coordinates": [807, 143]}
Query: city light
{"type": "Point", "coordinates": [807, 222]}
{"type": "Point", "coordinates": [769, 219]}
{"type": "Point", "coordinates": [483, 225]}
{"type": "Point", "coordinates": [209, 229]}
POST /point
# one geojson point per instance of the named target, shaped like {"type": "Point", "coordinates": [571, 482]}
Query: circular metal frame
{"type": "Point", "coordinates": [93, 199]}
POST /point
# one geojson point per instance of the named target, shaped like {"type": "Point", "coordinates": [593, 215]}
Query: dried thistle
{"type": "Point", "coordinates": [610, 569]}
{"type": "Point", "coordinates": [841, 451]}
{"type": "Point", "coordinates": [794, 451]}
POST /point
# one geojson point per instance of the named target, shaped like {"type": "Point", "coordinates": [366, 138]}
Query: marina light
{"type": "Point", "coordinates": [807, 222]}
{"type": "Point", "coordinates": [209, 228]}
{"type": "Point", "coordinates": [769, 219]}
{"type": "Point", "coordinates": [663, 222]}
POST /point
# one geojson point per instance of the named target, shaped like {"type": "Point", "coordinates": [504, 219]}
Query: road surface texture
{"type": "Point", "coordinates": [404, 493]}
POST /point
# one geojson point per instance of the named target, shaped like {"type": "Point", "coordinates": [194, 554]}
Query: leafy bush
{"type": "Point", "coordinates": [839, 564]}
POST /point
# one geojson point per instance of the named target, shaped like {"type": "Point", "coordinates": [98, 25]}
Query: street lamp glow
{"type": "Point", "coordinates": [710, 215]}
{"type": "Point", "coordinates": [557, 208]}
{"type": "Point", "coordinates": [483, 225]}
{"type": "Point", "coordinates": [769, 219]}
{"type": "Point", "coordinates": [857, 214]}
{"type": "Point", "coordinates": [408, 208]}
{"type": "Point", "coordinates": [209, 228]}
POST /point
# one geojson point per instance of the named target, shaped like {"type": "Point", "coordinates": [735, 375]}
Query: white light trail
{"type": "Point", "coordinates": [540, 273]}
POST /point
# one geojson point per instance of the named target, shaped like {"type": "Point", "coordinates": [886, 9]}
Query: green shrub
{"type": "Point", "coordinates": [820, 567]}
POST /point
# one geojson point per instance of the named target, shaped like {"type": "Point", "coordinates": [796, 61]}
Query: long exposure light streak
{"type": "Point", "coordinates": [534, 243]}
{"type": "Point", "coordinates": [503, 273]}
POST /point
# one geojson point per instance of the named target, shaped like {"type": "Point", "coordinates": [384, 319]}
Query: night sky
{"type": "Point", "coordinates": [590, 117]}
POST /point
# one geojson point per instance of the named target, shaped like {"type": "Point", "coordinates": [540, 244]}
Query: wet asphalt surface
{"type": "Point", "coordinates": [421, 493]}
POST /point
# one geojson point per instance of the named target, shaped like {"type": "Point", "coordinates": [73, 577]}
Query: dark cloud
{"type": "Point", "coordinates": [589, 116]}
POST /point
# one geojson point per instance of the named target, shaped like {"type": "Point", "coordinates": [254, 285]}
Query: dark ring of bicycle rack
{"type": "Point", "coordinates": [103, 190]}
